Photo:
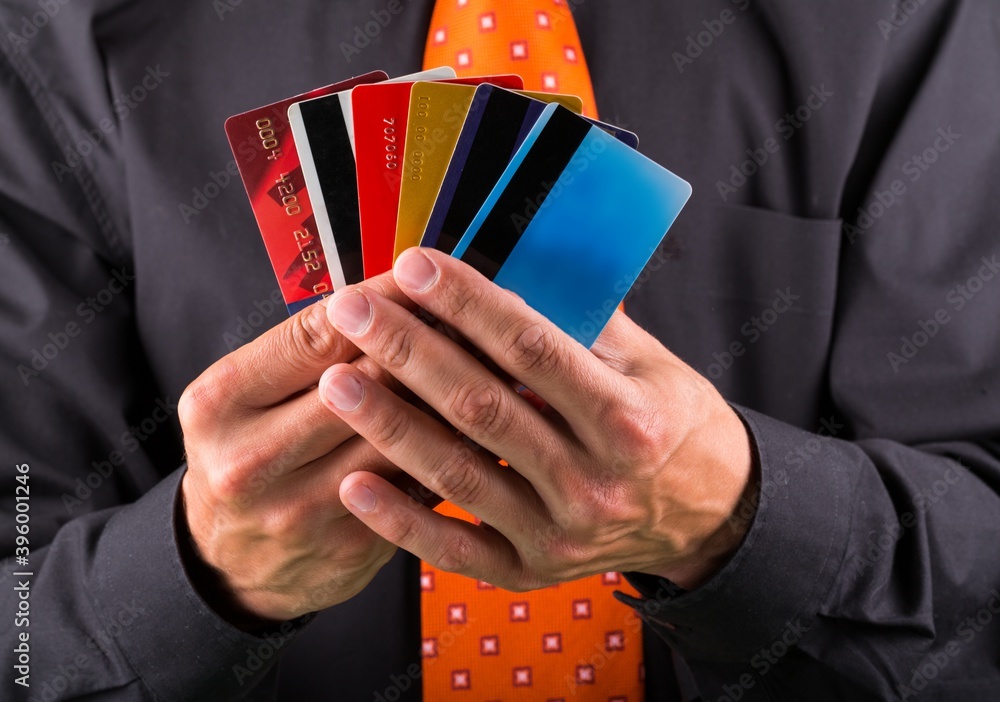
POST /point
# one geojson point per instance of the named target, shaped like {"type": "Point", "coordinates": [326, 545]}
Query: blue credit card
{"type": "Point", "coordinates": [496, 125]}
{"type": "Point", "coordinates": [572, 221]}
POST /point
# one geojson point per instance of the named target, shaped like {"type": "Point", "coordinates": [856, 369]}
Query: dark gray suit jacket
{"type": "Point", "coordinates": [835, 274]}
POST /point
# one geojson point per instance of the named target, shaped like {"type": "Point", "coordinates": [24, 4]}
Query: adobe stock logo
{"type": "Point", "coordinates": [59, 339]}
{"type": "Point", "coordinates": [957, 298]}
{"type": "Point", "coordinates": [758, 325]}
{"type": "Point", "coordinates": [786, 127]}
{"type": "Point", "coordinates": [365, 34]}
{"type": "Point", "coordinates": [30, 26]}
{"type": "Point", "coordinates": [700, 42]}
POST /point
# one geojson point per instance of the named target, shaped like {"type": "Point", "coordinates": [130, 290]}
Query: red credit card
{"type": "Point", "coordinates": [380, 117]}
{"type": "Point", "coordinates": [269, 165]}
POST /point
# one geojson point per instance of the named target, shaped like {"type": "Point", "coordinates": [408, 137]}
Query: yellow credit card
{"type": "Point", "coordinates": [437, 113]}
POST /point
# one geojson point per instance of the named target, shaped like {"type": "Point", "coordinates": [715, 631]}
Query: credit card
{"type": "Point", "coordinates": [572, 222]}
{"type": "Point", "coordinates": [381, 113]}
{"type": "Point", "coordinates": [630, 139]}
{"type": "Point", "coordinates": [494, 128]}
{"type": "Point", "coordinates": [437, 112]}
{"type": "Point", "coordinates": [322, 130]}
{"type": "Point", "coordinates": [269, 165]}
{"type": "Point", "coordinates": [440, 73]}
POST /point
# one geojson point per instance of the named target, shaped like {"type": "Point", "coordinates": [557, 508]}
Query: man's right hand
{"type": "Point", "coordinates": [265, 462]}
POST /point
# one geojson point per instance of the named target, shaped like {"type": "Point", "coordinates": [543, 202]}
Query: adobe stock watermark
{"type": "Point", "coordinates": [700, 42]}
{"type": "Point", "coordinates": [778, 478]}
{"type": "Point", "coordinates": [957, 298]}
{"type": "Point", "coordinates": [552, 191]}
{"type": "Point", "coordinates": [597, 318]}
{"type": "Point", "coordinates": [54, 687]}
{"type": "Point", "coordinates": [829, 428]}
{"type": "Point", "coordinates": [60, 339]}
{"type": "Point", "coordinates": [882, 543]}
{"type": "Point", "coordinates": [258, 656]}
{"type": "Point", "coordinates": [752, 331]}
{"type": "Point", "coordinates": [430, 649]}
{"type": "Point", "coordinates": [764, 660]}
{"type": "Point", "coordinates": [936, 661]}
{"type": "Point", "coordinates": [786, 128]}
{"type": "Point", "coordinates": [913, 169]}
{"type": "Point", "coordinates": [746, 508]}
{"type": "Point", "coordinates": [363, 35]}
{"type": "Point", "coordinates": [611, 643]}
{"type": "Point", "coordinates": [248, 324]}
{"type": "Point", "coordinates": [202, 197]}
{"type": "Point", "coordinates": [899, 16]}
{"type": "Point", "coordinates": [123, 105]}
{"type": "Point", "coordinates": [224, 7]}
{"type": "Point", "coordinates": [31, 25]}
{"type": "Point", "coordinates": [216, 182]}
{"type": "Point", "coordinates": [129, 442]}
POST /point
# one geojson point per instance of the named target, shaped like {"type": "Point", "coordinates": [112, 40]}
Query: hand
{"type": "Point", "coordinates": [265, 463]}
{"type": "Point", "coordinates": [637, 464]}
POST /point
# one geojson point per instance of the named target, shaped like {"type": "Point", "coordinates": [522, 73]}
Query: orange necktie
{"type": "Point", "coordinates": [571, 641]}
{"type": "Point", "coordinates": [535, 39]}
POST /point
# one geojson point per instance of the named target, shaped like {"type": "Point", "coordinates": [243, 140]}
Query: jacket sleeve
{"type": "Point", "coordinates": [100, 606]}
{"type": "Point", "coordinates": [871, 569]}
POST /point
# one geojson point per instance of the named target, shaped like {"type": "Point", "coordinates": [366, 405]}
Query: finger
{"type": "Point", "coordinates": [432, 453]}
{"type": "Point", "coordinates": [303, 429]}
{"type": "Point", "coordinates": [316, 488]}
{"type": "Point", "coordinates": [449, 544]}
{"type": "Point", "coordinates": [285, 360]}
{"type": "Point", "coordinates": [459, 388]}
{"type": "Point", "coordinates": [522, 342]}
{"type": "Point", "coordinates": [615, 346]}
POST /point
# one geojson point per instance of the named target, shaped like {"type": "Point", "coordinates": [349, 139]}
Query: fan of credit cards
{"type": "Point", "coordinates": [558, 208]}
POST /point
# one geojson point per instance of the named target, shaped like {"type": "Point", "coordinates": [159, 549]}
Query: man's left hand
{"type": "Point", "coordinates": [636, 464]}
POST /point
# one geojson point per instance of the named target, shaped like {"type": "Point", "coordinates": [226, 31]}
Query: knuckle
{"type": "Point", "coordinates": [606, 504]}
{"type": "Point", "coordinates": [283, 523]}
{"type": "Point", "coordinates": [390, 428]}
{"type": "Point", "coordinates": [358, 553]}
{"type": "Point", "coordinates": [205, 396]}
{"type": "Point", "coordinates": [226, 484]}
{"type": "Point", "coordinates": [397, 348]}
{"type": "Point", "coordinates": [402, 528]}
{"type": "Point", "coordinates": [459, 299]}
{"type": "Point", "coordinates": [311, 336]}
{"type": "Point", "coordinates": [244, 473]}
{"type": "Point", "coordinates": [459, 477]}
{"type": "Point", "coordinates": [533, 351]}
{"type": "Point", "coordinates": [559, 556]}
{"type": "Point", "coordinates": [481, 410]}
{"type": "Point", "coordinates": [639, 431]}
{"type": "Point", "coordinates": [191, 406]}
{"type": "Point", "coordinates": [455, 554]}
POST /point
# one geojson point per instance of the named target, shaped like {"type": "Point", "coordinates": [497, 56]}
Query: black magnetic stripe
{"type": "Point", "coordinates": [338, 180]}
{"type": "Point", "coordinates": [490, 154]}
{"type": "Point", "coordinates": [526, 192]}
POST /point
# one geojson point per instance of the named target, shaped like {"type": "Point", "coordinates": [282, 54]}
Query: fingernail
{"type": "Point", "coordinates": [345, 392]}
{"type": "Point", "coordinates": [351, 313]}
{"type": "Point", "coordinates": [416, 271]}
{"type": "Point", "coordinates": [361, 498]}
